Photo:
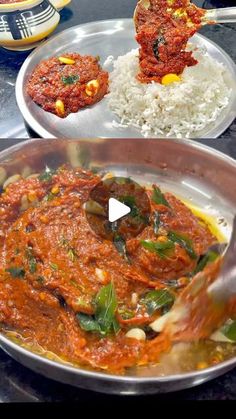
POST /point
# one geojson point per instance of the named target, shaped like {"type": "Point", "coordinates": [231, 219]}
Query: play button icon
{"type": "Point", "coordinates": [117, 210]}
{"type": "Point", "coordinates": [117, 206]}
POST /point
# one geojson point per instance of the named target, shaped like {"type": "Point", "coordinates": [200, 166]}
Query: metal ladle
{"type": "Point", "coordinates": [225, 285]}
{"type": "Point", "coordinates": [196, 317]}
{"type": "Point", "coordinates": [212, 16]}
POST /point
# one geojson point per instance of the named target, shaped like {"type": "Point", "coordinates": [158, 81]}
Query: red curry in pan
{"type": "Point", "coordinates": [77, 294]}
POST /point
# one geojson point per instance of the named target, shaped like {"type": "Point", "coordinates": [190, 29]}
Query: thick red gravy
{"type": "Point", "coordinates": [52, 80]}
{"type": "Point", "coordinates": [49, 259]}
{"type": "Point", "coordinates": [163, 37]}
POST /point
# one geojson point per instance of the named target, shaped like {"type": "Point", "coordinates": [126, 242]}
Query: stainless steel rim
{"type": "Point", "coordinates": [32, 121]}
{"type": "Point", "coordinates": [111, 377]}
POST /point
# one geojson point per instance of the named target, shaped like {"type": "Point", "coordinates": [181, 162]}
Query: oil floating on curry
{"type": "Point", "coordinates": [73, 295]}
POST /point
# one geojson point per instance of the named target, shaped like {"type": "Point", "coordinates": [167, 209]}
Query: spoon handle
{"type": "Point", "coordinates": [225, 285]}
{"type": "Point", "coordinates": [222, 15]}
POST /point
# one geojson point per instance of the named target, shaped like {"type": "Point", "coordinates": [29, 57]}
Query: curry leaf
{"type": "Point", "coordinates": [104, 320]}
{"type": "Point", "coordinates": [207, 258]}
{"type": "Point", "coordinates": [115, 326]}
{"type": "Point", "coordinates": [16, 272]}
{"type": "Point", "coordinates": [159, 198]}
{"type": "Point", "coordinates": [106, 304]}
{"type": "Point", "coordinates": [88, 323]}
{"type": "Point", "coordinates": [157, 299]}
{"type": "Point", "coordinates": [54, 266]}
{"type": "Point", "coordinates": [184, 242]}
{"type": "Point", "coordinates": [163, 249]}
{"type": "Point", "coordinates": [72, 254]}
{"type": "Point", "coordinates": [229, 330]}
{"type": "Point", "coordinates": [32, 265]}
{"type": "Point", "coordinates": [119, 243]}
{"type": "Point", "coordinates": [130, 201]}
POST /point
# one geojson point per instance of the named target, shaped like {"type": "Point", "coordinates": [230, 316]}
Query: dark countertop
{"type": "Point", "coordinates": [18, 384]}
{"type": "Point", "coordinates": [82, 11]}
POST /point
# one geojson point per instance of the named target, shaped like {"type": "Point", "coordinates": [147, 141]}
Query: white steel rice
{"type": "Point", "coordinates": [180, 109]}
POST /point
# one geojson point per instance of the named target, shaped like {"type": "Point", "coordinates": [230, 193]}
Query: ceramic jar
{"type": "Point", "coordinates": [24, 24]}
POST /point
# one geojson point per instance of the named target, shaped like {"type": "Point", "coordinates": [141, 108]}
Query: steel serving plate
{"type": "Point", "coordinates": [105, 38]}
{"type": "Point", "coordinates": [194, 172]}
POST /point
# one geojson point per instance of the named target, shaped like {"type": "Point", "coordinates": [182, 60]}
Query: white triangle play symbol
{"type": "Point", "coordinates": [117, 210]}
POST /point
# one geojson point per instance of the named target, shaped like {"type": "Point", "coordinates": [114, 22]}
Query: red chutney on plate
{"type": "Point", "coordinates": [66, 84]}
{"type": "Point", "coordinates": [163, 30]}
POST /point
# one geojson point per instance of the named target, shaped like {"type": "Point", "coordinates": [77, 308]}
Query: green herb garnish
{"type": "Point", "coordinates": [159, 198]}
{"type": "Point", "coordinates": [71, 254]}
{"type": "Point", "coordinates": [63, 241]}
{"type": "Point", "coordinates": [157, 299]}
{"type": "Point", "coordinates": [204, 260]}
{"type": "Point", "coordinates": [103, 321]}
{"type": "Point", "coordinates": [54, 266]}
{"type": "Point", "coordinates": [106, 304]}
{"type": "Point", "coordinates": [16, 272]}
{"type": "Point", "coordinates": [31, 260]}
{"type": "Point", "coordinates": [70, 79]}
{"type": "Point", "coordinates": [184, 242]}
{"type": "Point", "coordinates": [163, 249]}
{"type": "Point", "coordinates": [32, 265]}
{"type": "Point", "coordinates": [229, 330]}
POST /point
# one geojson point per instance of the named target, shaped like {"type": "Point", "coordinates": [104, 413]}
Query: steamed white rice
{"type": "Point", "coordinates": [180, 109]}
